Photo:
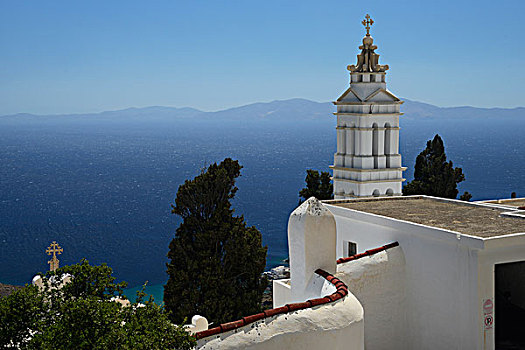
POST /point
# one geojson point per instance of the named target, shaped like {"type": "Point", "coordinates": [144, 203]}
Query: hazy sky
{"type": "Point", "coordinates": [89, 56]}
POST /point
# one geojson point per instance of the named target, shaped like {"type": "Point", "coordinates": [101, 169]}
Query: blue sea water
{"type": "Point", "coordinates": [103, 188]}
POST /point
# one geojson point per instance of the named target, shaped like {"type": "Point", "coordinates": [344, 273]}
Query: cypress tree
{"type": "Point", "coordinates": [216, 261]}
{"type": "Point", "coordinates": [318, 185]}
{"type": "Point", "coordinates": [433, 175]}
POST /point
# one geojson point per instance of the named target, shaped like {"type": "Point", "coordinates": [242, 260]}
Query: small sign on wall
{"type": "Point", "coordinates": [488, 313]}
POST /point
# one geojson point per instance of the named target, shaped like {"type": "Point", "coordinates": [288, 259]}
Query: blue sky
{"type": "Point", "coordinates": [90, 56]}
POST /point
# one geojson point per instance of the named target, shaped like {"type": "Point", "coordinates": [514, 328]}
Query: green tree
{"type": "Point", "coordinates": [433, 175]}
{"type": "Point", "coordinates": [318, 185]}
{"type": "Point", "coordinates": [20, 312]}
{"type": "Point", "coordinates": [81, 315]}
{"type": "Point", "coordinates": [216, 261]}
{"type": "Point", "coordinates": [466, 196]}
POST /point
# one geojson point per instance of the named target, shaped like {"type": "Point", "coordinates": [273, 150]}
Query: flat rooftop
{"type": "Point", "coordinates": [514, 202]}
{"type": "Point", "coordinates": [468, 218]}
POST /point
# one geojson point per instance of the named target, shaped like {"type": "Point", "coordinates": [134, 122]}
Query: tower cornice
{"type": "Point", "coordinates": [370, 181]}
{"type": "Point", "coordinates": [368, 114]}
{"type": "Point", "coordinates": [344, 103]}
{"type": "Point", "coordinates": [366, 170]}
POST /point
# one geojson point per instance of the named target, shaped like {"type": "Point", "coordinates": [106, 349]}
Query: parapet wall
{"type": "Point", "coordinates": [332, 322]}
{"type": "Point", "coordinates": [377, 279]}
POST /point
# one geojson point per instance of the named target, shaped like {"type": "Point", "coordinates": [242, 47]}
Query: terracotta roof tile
{"type": "Point", "coordinates": [299, 306]}
{"type": "Point", "coordinates": [322, 273]}
{"type": "Point", "coordinates": [253, 318]}
{"type": "Point", "coordinates": [276, 311]}
{"type": "Point", "coordinates": [335, 296]}
{"type": "Point", "coordinates": [231, 325]}
{"type": "Point", "coordinates": [319, 301]}
{"type": "Point", "coordinates": [208, 332]}
{"type": "Point", "coordinates": [367, 253]}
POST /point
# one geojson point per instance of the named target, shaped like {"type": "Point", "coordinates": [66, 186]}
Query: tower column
{"type": "Point", "coordinates": [394, 146]}
{"type": "Point", "coordinates": [341, 142]}
{"type": "Point", "coordinates": [381, 142]}
{"type": "Point", "coordinates": [363, 156]}
{"type": "Point", "coordinates": [357, 143]}
{"type": "Point", "coordinates": [366, 150]}
{"type": "Point", "coordinates": [350, 151]}
{"type": "Point", "coordinates": [350, 141]}
{"type": "Point", "coordinates": [380, 161]}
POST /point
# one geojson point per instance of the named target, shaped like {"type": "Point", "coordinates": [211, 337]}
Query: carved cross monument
{"type": "Point", "coordinates": [54, 249]}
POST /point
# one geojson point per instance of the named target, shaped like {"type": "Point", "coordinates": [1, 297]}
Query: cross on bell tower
{"type": "Point", "coordinates": [367, 22]}
{"type": "Point", "coordinates": [54, 249]}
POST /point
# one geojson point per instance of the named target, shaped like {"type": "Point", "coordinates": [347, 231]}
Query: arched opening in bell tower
{"type": "Point", "coordinates": [375, 144]}
{"type": "Point", "coordinates": [388, 138]}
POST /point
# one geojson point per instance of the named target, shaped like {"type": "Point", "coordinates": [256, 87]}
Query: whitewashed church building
{"type": "Point", "coordinates": [374, 270]}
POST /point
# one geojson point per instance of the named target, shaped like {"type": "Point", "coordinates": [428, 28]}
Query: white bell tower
{"type": "Point", "coordinates": [367, 162]}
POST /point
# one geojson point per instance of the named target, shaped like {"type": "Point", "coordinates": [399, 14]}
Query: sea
{"type": "Point", "coordinates": [103, 188]}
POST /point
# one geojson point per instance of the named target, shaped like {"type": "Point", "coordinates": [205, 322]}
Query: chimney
{"type": "Point", "coordinates": [312, 244]}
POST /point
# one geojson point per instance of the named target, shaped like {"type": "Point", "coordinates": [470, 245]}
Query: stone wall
{"type": "Point", "coordinates": [6, 289]}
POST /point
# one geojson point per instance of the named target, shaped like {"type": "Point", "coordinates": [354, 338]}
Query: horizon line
{"type": "Point", "coordinates": [232, 107]}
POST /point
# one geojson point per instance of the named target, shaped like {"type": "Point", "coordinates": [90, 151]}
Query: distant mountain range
{"type": "Point", "coordinates": [284, 110]}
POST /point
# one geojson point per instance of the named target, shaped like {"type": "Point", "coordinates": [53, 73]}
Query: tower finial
{"type": "Point", "coordinates": [367, 22]}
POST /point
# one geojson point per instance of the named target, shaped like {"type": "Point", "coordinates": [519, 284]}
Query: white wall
{"type": "Point", "coordinates": [334, 326]}
{"type": "Point", "coordinates": [282, 292]}
{"type": "Point", "coordinates": [378, 282]}
{"type": "Point", "coordinates": [441, 276]}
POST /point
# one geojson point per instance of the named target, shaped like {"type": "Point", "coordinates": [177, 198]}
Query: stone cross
{"type": "Point", "coordinates": [54, 249]}
{"type": "Point", "coordinates": [367, 22]}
